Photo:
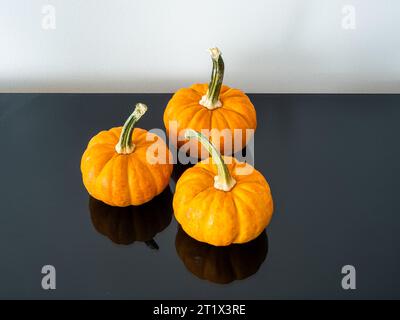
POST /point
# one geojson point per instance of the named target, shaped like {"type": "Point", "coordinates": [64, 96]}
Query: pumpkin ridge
{"type": "Point", "coordinates": [240, 94]}
{"type": "Point", "coordinates": [85, 165]}
{"type": "Point", "coordinates": [190, 180]}
{"type": "Point", "coordinates": [248, 178]}
{"type": "Point", "coordinates": [248, 192]}
{"type": "Point", "coordinates": [144, 143]}
{"type": "Point", "coordinates": [119, 162]}
{"type": "Point", "coordinates": [137, 135]}
{"type": "Point", "coordinates": [225, 107]}
{"type": "Point", "coordinates": [221, 116]}
{"type": "Point", "coordinates": [99, 139]}
{"type": "Point", "coordinates": [227, 91]}
{"type": "Point", "coordinates": [100, 153]}
{"type": "Point", "coordinates": [254, 176]}
{"type": "Point", "coordinates": [243, 185]}
{"type": "Point", "coordinates": [202, 169]}
{"type": "Point", "coordinates": [100, 143]}
{"type": "Point", "coordinates": [238, 222]}
{"type": "Point", "coordinates": [215, 198]}
{"type": "Point", "coordinates": [160, 167]}
{"type": "Point", "coordinates": [210, 122]}
{"type": "Point", "coordinates": [143, 164]}
{"type": "Point", "coordinates": [173, 109]}
{"type": "Point", "coordinates": [114, 133]}
{"type": "Point", "coordinates": [185, 106]}
{"type": "Point", "coordinates": [221, 124]}
{"type": "Point", "coordinates": [266, 192]}
{"type": "Point", "coordinates": [245, 120]}
{"type": "Point", "coordinates": [204, 111]}
{"type": "Point", "coordinates": [239, 216]}
{"type": "Point", "coordinates": [129, 177]}
{"type": "Point", "coordinates": [200, 93]}
{"type": "Point", "coordinates": [110, 177]}
{"type": "Point", "coordinates": [197, 194]}
{"type": "Point", "coordinates": [184, 111]}
{"type": "Point", "coordinates": [105, 144]}
{"type": "Point", "coordinates": [102, 172]}
{"type": "Point", "coordinates": [251, 210]}
{"type": "Point", "coordinates": [245, 109]}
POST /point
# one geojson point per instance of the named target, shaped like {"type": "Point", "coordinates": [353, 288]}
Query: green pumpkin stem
{"type": "Point", "coordinates": [211, 99]}
{"type": "Point", "coordinates": [224, 180]}
{"type": "Point", "coordinates": [125, 144]}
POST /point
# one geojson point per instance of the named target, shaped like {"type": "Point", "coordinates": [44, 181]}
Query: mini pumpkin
{"type": "Point", "coordinates": [220, 200]}
{"type": "Point", "coordinates": [221, 264]}
{"type": "Point", "coordinates": [221, 113]}
{"type": "Point", "coordinates": [126, 165]}
{"type": "Point", "coordinates": [125, 225]}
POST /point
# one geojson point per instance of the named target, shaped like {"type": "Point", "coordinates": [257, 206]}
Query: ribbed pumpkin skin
{"type": "Point", "coordinates": [221, 264]}
{"type": "Point", "coordinates": [123, 180]}
{"type": "Point", "coordinates": [237, 112]}
{"type": "Point", "coordinates": [217, 217]}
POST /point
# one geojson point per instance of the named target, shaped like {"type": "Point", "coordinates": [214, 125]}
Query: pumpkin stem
{"type": "Point", "coordinates": [125, 144]}
{"type": "Point", "coordinates": [211, 99]}
{"type": "Point", "coordinates": [223, 181]}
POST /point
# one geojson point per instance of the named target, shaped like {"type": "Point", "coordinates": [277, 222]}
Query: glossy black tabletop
{"type": "Point", "coordinates": [332, 161]}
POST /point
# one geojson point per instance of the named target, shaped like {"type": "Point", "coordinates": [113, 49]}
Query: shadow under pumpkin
{"type": "Point", "coordinates": [221, 264]}
{"type": "Point", "coordinates": [125, 225]}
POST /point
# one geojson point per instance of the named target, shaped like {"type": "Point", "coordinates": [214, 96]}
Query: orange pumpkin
{"type": "Point", "coordinates": [125, 225]}
{"type": "Point", "coordinates": [221, 113]}
{"type": "Point", "coordinates": [221, 264]}
{"type": "Point", "coordinates": [126, 165]}
{"type": "Point", "coordinates": [220, 200]}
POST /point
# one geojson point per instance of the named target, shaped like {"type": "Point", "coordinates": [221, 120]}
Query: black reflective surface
{"type": "Point", "coordinates": [221, 264]}
{"type": "Point", "coordinates": [125, 225]}
{"type": "Point", "coordinates": [332, 162]}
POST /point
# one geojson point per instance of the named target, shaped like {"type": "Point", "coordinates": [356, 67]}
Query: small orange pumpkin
{"type": "Point", "coordinates": [225, 112]}
{"type": "Point", "coordinates": [221, 264]}
{"type": "Point", "coordinates": [126, 165]}
{"type": "Point", "coordinates": [221, 200]}
{"type": "Point", "coordinates": [125, 225]}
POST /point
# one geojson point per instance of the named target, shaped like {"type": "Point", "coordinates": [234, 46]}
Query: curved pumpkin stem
{"type": "Point", "coordinates": [125, 144]}
{"type": "Point", "coordinates": [211, 99]}
{"type": "Point", "coordinates": [224, 180]}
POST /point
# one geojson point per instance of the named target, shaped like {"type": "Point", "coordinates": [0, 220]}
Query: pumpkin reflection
{"type": "Point", "coordinates": [125, 225]}
{"type": "Point", "coordinates": [221, 264]}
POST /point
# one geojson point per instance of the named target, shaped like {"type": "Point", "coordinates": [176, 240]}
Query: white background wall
{"type": "Point", "coordinates": [159, 46]}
